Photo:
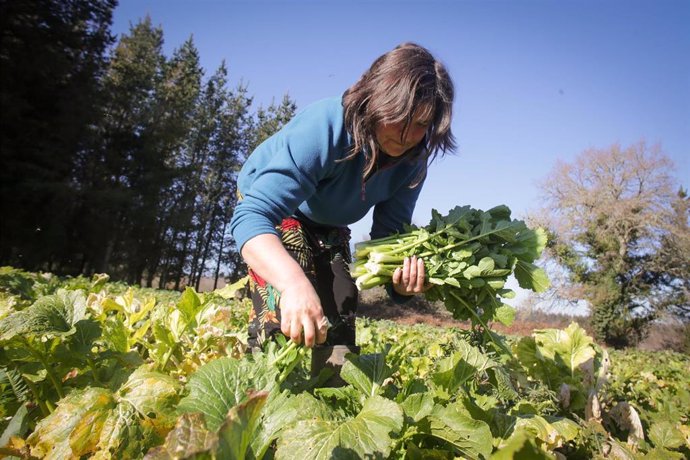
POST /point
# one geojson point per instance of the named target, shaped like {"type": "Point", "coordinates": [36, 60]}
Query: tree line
{"type": "Point", "coordinates": [117, 158]}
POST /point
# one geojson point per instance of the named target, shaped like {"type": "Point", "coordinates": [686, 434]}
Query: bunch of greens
{"type": "Point", "coordinates": [468, 256]}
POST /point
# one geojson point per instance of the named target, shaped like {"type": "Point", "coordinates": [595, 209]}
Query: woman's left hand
{"type": "Point", "coordinates": [409, 280]}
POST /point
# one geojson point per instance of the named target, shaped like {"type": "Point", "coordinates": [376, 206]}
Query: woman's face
{"type": "Point", "coordinates": [389, 136]}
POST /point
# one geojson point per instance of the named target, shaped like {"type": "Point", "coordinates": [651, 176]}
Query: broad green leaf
{"type": "Point", "coordinates": [663, 454]}
{"type": "Point", "coordinates": [418, 405]}
{"type": "Point", "coordinates": [281, 411]}
{"type": "Point", "coordinates": [86, 333]}
{"type": "Point", "coordinates": [473, 271]}
{"type": "Point", "coordinates": [86, 434]}
{"type": "Point", "coordinates": [189, 439]}
{"type": "Point", "coordinates": [451, 281]}
{"type": "Point", "coordinates": [472, 438]}
{"type": "Point", "coordinates": [51, 438]}
{"type": "Point", "coordinates": [412, 452]}
{"type": "Point", "coordinates": [570, 347]}
{"type": "Point", "coordinates": [240, 424]}
{"type": "Point", "coordinates": [521, 446]}
{"type": "Point", "coordinates": [115, 335]}
{"type": "Point", "coordinates": [52, 315]}
{"type": "Point", "coordinates": [529, 276]}
{"type": "Point", "coordinates": [665, 435]}
{"type": "Point", "coordinates": [230, 290]}
{"type": "Point", "coordinates": [366, 372]}
{"type": "Point", "coordinates": [540, 429]}
{"type": "Point", "coordinates": [153, 395]}
{"type": "Point", "coordinates": [505, 314]}
{"type": "Point", "coordinates": [486, 265]}
{"type": "Point", "coordinates": [464, 364]}
{"type": "Point", "coordinates": [224, 383]}
{"type": "Point", "coordinates": [18, 425]}
{"type": "Point", "coordinates": [566, 428]}
{"type": "Point", "coordinates": [189, 304]}
{"type": "Point", "coordinates": [533, 241]}
{"type": "Point", "coordinates": [368, 435]}
{"type": "Point", "coordinates": [504, 387]}
{"type": "Point", "coordinates": [122, 435]}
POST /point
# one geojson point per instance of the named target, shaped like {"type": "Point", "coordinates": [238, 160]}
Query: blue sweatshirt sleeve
{"type": "Point", "coordinates": [283, 172]}
{"type": "Point", "coordinates": [391, 215]}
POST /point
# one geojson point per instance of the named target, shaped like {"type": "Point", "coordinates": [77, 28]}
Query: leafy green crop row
{"type": "Point", "coordinates": [86, 372]}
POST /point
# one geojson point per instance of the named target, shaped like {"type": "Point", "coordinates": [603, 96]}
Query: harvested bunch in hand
{"type": "Point", "coordinates": [468, 254]}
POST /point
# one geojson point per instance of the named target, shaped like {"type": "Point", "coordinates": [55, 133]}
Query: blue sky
{"type": "Point", "coordinates": [536, 81]}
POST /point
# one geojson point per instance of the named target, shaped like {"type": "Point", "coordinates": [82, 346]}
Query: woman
{"type": "Point", "coordinates": [326, 169]}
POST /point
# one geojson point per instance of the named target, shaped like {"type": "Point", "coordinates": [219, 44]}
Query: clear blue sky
{"type": "Point", "coordinates": [536, 81]}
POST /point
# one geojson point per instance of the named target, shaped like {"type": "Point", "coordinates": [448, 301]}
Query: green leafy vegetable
{"type": "Point", "coordinates": [468, 254]}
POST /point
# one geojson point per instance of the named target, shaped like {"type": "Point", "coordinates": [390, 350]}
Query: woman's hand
{"type": "Point", "coordinates": [300, 307]}
{"type": "Point", "coordinates": [409, 280]}
{"type": "Point", "coordinates": [300, 310]}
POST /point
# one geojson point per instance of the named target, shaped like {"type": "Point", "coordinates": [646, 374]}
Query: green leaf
{"type": "Point", "coordinates": [240, 424]}
{"type": "Point", "coordinates": [486, 265]}
{"type": "Point", "coordinates": [663, 454]}
{"type": "Point", "coordinates": [115, 335]}
{"type": "Point", "coordinates": [533, 242]}
{"type": "Point", "coordinates": [505, 314]}
{"type": "Point", "coordinates": [281, 411]}
{"type": "Point", "coordinates": [224, 383]}
{"type": "Point", "coordinates": [666, 436]}
{"type": "Point", "coordinates": [473, 271]}
{"type": "Point", "coordinates": [86, 333]}
{"type": "Point", "coordinates": [530, 276]}
{"type": "Point", "coordinates": [122, 434]}
{"type": "Point", "coordinates": [189, 304]}
{"type": "Point", "coordinates": [368, 435]}
{"type": "Point", "coordinates": [54, 315]}
{"type": "Point", "coordinates": [18, 426]}
{"type": "Point", "coordinates": [452, 424]}
{"type": "Point", "coordinates": [52, 434]}
{"type": "Point", "coordinates": [464, 364]}
{"type": "Point", "coordinates": [570, 347]}
{"type": "Point", "coordinates": [521, 446]}
{"type": "Point", "coordinates": [538, 427]}
{"type": "Point", "coordinates": [153, 395]}
{"type": "Point", "coordinates": [86, 434]}
{"type": "Point", "coordinates": [229, 291]}
{"type": "Point", "coordinates": [418, 405]}
{"type": "Point", "coordinates": [189, 439]}
{"type": "Point", "coordinates": [366, 372]}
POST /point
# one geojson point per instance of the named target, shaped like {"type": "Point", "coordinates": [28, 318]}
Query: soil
{"type": "Point", "coordinates": [377, 305]}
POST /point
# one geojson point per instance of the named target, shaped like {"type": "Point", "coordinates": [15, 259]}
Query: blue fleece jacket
{"type": "Point", "coordinates": [297, 168]}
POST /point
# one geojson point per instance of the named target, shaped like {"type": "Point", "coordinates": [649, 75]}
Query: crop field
{"type": "Point", "coordinates": [94, 369]}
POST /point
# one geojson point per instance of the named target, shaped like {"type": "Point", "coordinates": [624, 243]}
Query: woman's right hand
{"type": "Point", "coordinates": [300, 306]}
{"type": "Point", "coordinates": [300, 311]}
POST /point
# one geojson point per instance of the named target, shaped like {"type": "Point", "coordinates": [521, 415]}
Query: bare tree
{"type": "Point", "coordinates": [610, 214]}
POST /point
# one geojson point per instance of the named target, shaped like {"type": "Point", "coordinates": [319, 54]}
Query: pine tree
{"type": "Point", "coordinates": [52, 56]}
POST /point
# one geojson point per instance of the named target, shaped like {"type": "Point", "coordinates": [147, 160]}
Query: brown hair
{"type": "Point", "coordinates": [396, 86]}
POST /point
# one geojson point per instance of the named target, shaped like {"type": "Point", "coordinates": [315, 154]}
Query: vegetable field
{"type": "Point", "coordinates": [93, 369]}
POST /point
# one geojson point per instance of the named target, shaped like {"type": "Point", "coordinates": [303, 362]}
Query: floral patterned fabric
{"type": "Point", "coordinates": [323, 252]}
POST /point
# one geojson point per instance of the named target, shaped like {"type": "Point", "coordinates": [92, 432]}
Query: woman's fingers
{"type": "Point", "coordinates": [309, 332]}
{"type": "Point", "coordinates": [410, 279]}
{"type": "Point", "coordinates": [322, 330]}
{"type": "Point", "coordinates": [296, 330]}
{"type": "Point", "coordinates": [419, 287]}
